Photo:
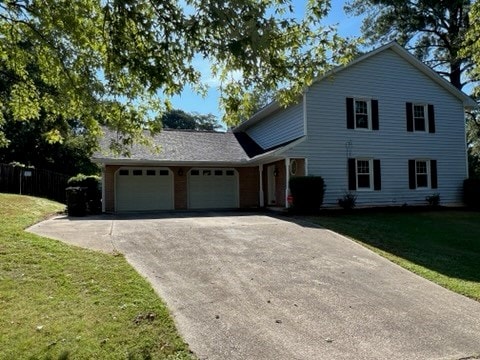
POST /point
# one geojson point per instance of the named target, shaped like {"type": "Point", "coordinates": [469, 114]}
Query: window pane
{"type": "Point", "coordinates": [362, 121]}
{"type": "Point", "coordinates": [123, 172]}
{"type": "Point", "coordinates": [361, 107]}
{"type": "Point", "coordinates": [419, 124]}
{"type": "Point", "coordinates": [363, 167]}
{"type": "Point", "coordinates": [364, 181]}
{"type": "Point", "coordinates": [195, 172]}
{"type": "Point", "coordinates": [207, 172]}
{"type": "Point", "coordinates": [137, 172]}
{"type": "Point", "coordinates": [163, 172]}
{"type": "Point", "coordinates": [419, 117]}
{"type": "Point", "coordinates": [361, 114]}
{"type": "Point", "coordinates": [422, 180]}
{"type": "Point", "coordinates": [363, 174]}
{"type": "Point", "coordinates": [150, 172]}
{"type": "Point", "coordinates": [421, 167]}
{"type": "Point", "coordinates": [218, 172]}
{"type": "Point", "coordinates": [229, 172]}
{"type": "Point", "coordinates": [419, 111]}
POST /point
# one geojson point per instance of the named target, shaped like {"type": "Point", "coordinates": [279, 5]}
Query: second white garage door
{"type": "Point", "coordinates": [212, 188]}
{"type": "Point", "coordinates": [142, 189]}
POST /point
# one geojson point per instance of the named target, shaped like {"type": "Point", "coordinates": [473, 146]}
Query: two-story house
{"type": "Point", "coordinates": [385, 127]}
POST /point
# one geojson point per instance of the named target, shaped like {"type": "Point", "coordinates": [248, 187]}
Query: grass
{"type": "Point", "coordinates": [62, 302]}
{"type": "Point", "coordinates": [442, 246]}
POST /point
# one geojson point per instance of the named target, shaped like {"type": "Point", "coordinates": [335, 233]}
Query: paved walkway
{"type": "Point", "coordinates": [249, 286]}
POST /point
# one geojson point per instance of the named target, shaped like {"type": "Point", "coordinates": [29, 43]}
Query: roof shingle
{"type": "Point", "coordinates": [181, 146]}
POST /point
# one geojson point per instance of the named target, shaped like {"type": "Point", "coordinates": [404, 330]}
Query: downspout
{"type": "Point", "coordinates": [260, 192]}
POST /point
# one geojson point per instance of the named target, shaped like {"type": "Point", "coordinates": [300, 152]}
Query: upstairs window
{"type": "Point", "coordinates": [420, 118]}
{"type": "Point", "coordinates": [362, 114]}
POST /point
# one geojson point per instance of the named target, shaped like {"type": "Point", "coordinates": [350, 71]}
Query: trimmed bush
{"type": "Point", "coordinates": [471, 193]}
{"type": "Point", "coordinates": [307, 193]}
{"type": "Point", "coordinates": [433, 200]}
{"type": "Point", "coordinates": [348, 201]}
{"type": "Point", "coordinates": [76, 200]}
{"type": "Point", "coordinates": [93, 194]}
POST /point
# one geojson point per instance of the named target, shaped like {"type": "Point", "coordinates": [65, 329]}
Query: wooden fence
{"type": "Point", "coordinates": [35, 182]}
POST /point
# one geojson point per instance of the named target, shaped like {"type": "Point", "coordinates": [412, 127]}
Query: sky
{"type": "Point", "coordinates": [191, 102]}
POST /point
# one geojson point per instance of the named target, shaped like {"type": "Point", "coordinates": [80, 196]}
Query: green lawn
{"type": "Point", "coordinates": [442, 246]}
{"type": "Point", "coordinates": [62, 302]}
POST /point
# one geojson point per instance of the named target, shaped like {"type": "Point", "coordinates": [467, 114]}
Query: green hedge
{"type": "Point", "coordinates": [93, 194]}
{"type": "Point", "coordinates": [471, 193]}
{"type": "Point", "coordinates": [307, 193]}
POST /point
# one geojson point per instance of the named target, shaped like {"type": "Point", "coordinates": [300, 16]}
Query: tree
{"type": "Point", "coordinates": [179, 119]}
{"type": "Point", "coordinates": [433, 30]}
{"type": "Point", "coordinates": [443, 34]}
{"type": "Point", "coordinates": [30, 146]}
{"type": "Point", "coordinates": [472, 49]}
{"type": "Point", "coordinates": [116, 62]}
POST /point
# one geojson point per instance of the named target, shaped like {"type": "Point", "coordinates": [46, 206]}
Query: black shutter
{"type": "Point", "coordinates": [409, 109]}
{"type": "Point", "coordinates": [431, 119]}
{"type": "Point", "coordinates": [352, 175]}
{"type": "Point", "coordinates": [412, 174]}
{"type": "Point", "coordinates": [377, 177]}
{"type": "Point", "coordinates": [433, 174]}
{"type": "Point", "coordinates": [375, 122]}
{"type": "Point", "coordinates": [350, 113]}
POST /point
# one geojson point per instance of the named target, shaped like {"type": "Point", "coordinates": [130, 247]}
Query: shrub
{"type": "Point", "coordinates": [307, 193]}
{"type": "Point", "coordinates": [76, 201]}
{"type": "Point", "coordinates": [471, 193]}
{"type": "Point", "coordinates": [433, 200]}
{"type": "Point", "coordinates": [93, 196]}
{"type": "Point", "coordinates": [348, 202]}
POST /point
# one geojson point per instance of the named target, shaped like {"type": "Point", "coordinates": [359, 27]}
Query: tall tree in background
{"type": "Point", "coordinates": [179, 119]}
{"type": "Point", "coordinates": [472, 49]}
{"type": "Point", "coordinates": [433, 30]}
{"type": "Point", "coordinates": [116, 62]}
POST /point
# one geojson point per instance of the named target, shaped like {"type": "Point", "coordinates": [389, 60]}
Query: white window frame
{"type": "Point", "coordinates": [370, 174]}
{"type": "Point", "coordinates": [428, 173]}
{"type": "Point", "coordinates": [369, 113]}
{"type": "Point", "coordinates": [425, 115]}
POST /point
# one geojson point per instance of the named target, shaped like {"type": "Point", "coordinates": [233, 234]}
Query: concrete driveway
{"type": "Point", "coordinates": [253, 286]}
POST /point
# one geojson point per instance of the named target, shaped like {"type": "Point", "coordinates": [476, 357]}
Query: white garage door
{"type": "Point", "coordinates": [212, 188]}
{"type": "Point", "coordinates": [144, 189]}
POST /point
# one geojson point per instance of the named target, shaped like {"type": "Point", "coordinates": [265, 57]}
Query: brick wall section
{"type": "Point", "coordinates": [110, 187]}
{"type": "Point", "coordinates": [249, 187]}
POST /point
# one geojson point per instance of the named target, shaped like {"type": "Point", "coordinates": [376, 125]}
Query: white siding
{"type": "Point", "coordinates": [278, 128]}
{"type": "Point", "coordinates": [393, 82]}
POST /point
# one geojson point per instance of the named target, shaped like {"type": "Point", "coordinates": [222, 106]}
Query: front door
{"type": "Point", "coordinates": [272, 198]}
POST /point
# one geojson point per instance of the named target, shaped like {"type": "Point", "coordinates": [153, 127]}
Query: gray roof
{"type": "Point", "coordinates": [179, 146]}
